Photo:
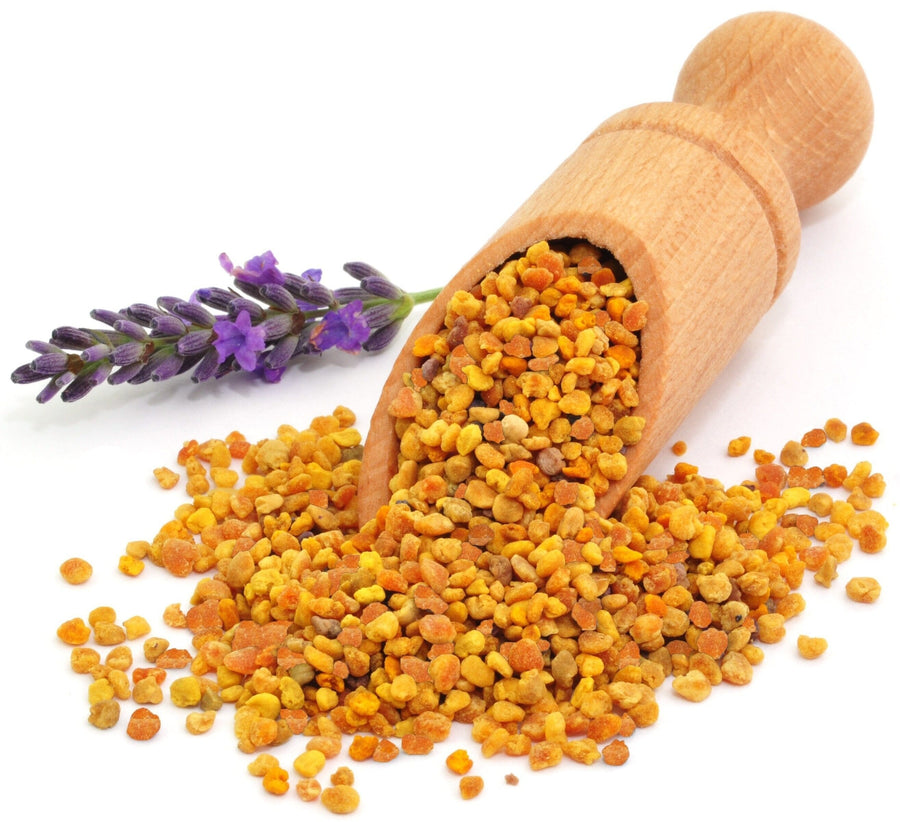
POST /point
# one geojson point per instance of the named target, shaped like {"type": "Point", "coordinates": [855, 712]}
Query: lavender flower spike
{"type": "Point", "coordinates": [267, 319]}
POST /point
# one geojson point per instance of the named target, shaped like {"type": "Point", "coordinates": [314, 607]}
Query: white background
{"type": "Point", "coordinates": [141, 139]}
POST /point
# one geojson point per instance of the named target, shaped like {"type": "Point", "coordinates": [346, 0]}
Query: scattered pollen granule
{"type": "Point", "coordinates": [835, 430]}
{"type": "Point", "coordinates": [793, 454]}
{"type": "Point", "coordinates": [309, 790]}
{"type": "Point", "coordinates": [739, 446]}
{"type": "Point", "coordinates": [811, 647]}
{"type": "Point", "coordinates": [131, 566]}
{"type": "Point", "coordinates": [275, 781]}
{"type": "Point", "coordinates": [262, 763]}
{"type": "Point", "coordinates": [616, 753]}
{"type": "Point", "coordinates": [76, 571]}
{"type": "Point", "coordinates": [342, 776]}
{"type": "Point", "coordinates": [309, 763]}
{"type": "Point", "coordinates": [166, 477]}
{"type": "Point", "coordinates": [459, 762]}
{"type": "Point", "coordinates": [74, 631]}
{"type": "Point", "coordinates": [104, 714]}
{"type": "Point", "coordinates": [136, 627]}
{"type": "Point", "coordinates": [199, 722]}
{"type": "Point", "coordinates": [863, 434]}
{"type": "Point", "coordinates": [143, 724]}
{"type": "Point", "coordinates": [340, 799]}
{"type": "Point", "coordinates": [863, 589]}
{"type": "Point", "coordinates": [470, 786]}
{"type": "Point", "coordinates": [814, 438]}
{"type": "Point", "coordinates": [84, 660]}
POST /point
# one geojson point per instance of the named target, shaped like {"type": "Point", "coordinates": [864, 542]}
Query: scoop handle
{"type": "Point", "coordinates": [795, 87]}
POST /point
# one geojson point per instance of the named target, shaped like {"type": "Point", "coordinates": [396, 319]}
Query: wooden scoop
{"type": "Point", "coordinates": [698, 200]}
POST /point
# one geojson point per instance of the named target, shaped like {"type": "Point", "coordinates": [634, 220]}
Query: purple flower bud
{"type": "Point", "coordinates": [206, 368]}
{"type": "Point", "coordinates": [128, 353]}
{"type": "Point", "coordinates": [251, 289]}
{"type": "Point", "coordinates": [194, 342]}
{"type": "Point", "coordinates": [145, 373]}
{"type": "Point", "coordinates": [69, 337]}
{"type": "Point", "coordinates": [76, 391]}
{"type": "Point", "coordinates": [95, 352]}
{"type": "Point", "coordinates": [359, 271]}
{"type": "Point", "coordinates": [381, 338]}
{"type": "Point", "coordinates": [348, 295]}
{"type": "Point", "coordinates": [219, 298]}
{"type": "Point", "coordinates": [380, 287]}
{"type": "Point", "coordinates": [193, 313]}
{"type": "Point", "coordinates": [316, 294]}
{"type": "Point", "coordinates": [229, 366]}
{"type": "Point", "coordinates": [295, 283]}
{"type": "Point", "coordinates": [165, 325]}
{"type": "Point", "coordinates": [107, 317]}
{"type": "Point", "coordinates": [380, 315]}
{"type": "Point", "coordinates": [125, 373]}
{"type": "Point", "coordinates": [166, 303]}
{"type": "Point", "coordinates": [304, 346]}
{"type": "Point", "coordinates": [41, 347]}
{"type": "Point", "coordinates": [281, 352]}
{"type": "Point", "coordinates": [168, 367]}
{"type": "Point", "coordinates": [276, 327]}
{"type": "Point", "coordinates": [25, 374]}
{"type": "Point", "coordinates": [49, 365]}
{"type": "Point", "coordinates": [239, 304]}
{"type": "Point", "coordinates": [279, 297]}
{"type": "Point", "coordinates": [131, 329]}
{"type": "Point", "coordinates": [141, 313]}
{"type": "Point", "coordinates": [84, 382]}
{"type": "Point", "coordinates": [271, 375]}
{"type": "Point", "coordinates": [52, 388]}
{"type": "Point", "coordinates": [101, 373]}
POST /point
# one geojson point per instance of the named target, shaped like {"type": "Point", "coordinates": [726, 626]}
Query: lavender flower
{"type": "Point", "coordinates": [346, 329]}
{"type": "Point", "coordinates": [266, 320]}
{"type": "Point", "coordinates": [261, 270]}
{"type": "Point", "coordinates": [240, 339]}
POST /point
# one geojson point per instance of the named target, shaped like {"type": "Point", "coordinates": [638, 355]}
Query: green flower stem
{"type": "Point", "coordinates": [416, 298]}
{"type": "Point", "coordinates": [425, 296]}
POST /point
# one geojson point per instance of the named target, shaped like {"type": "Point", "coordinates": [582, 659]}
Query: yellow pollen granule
{"type": "Point", "coordinates": [76, 571]}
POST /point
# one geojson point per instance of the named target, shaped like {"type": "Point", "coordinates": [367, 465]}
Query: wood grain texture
{"type": "Point", "coordinates": [693, 201]}
{"type": "Point", "coordinates": [796, 87]}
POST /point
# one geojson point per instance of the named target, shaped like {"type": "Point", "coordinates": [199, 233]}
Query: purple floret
{"type": "Point", "coordinates": [344, 328]}
{"type": "Point", "coordinates": [239, 338]}
{"type": "Point", "coordinates": [260, 270]}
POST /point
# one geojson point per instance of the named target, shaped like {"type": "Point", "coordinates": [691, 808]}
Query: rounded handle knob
{"type": "Point", "coordinates": [792, 84]}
